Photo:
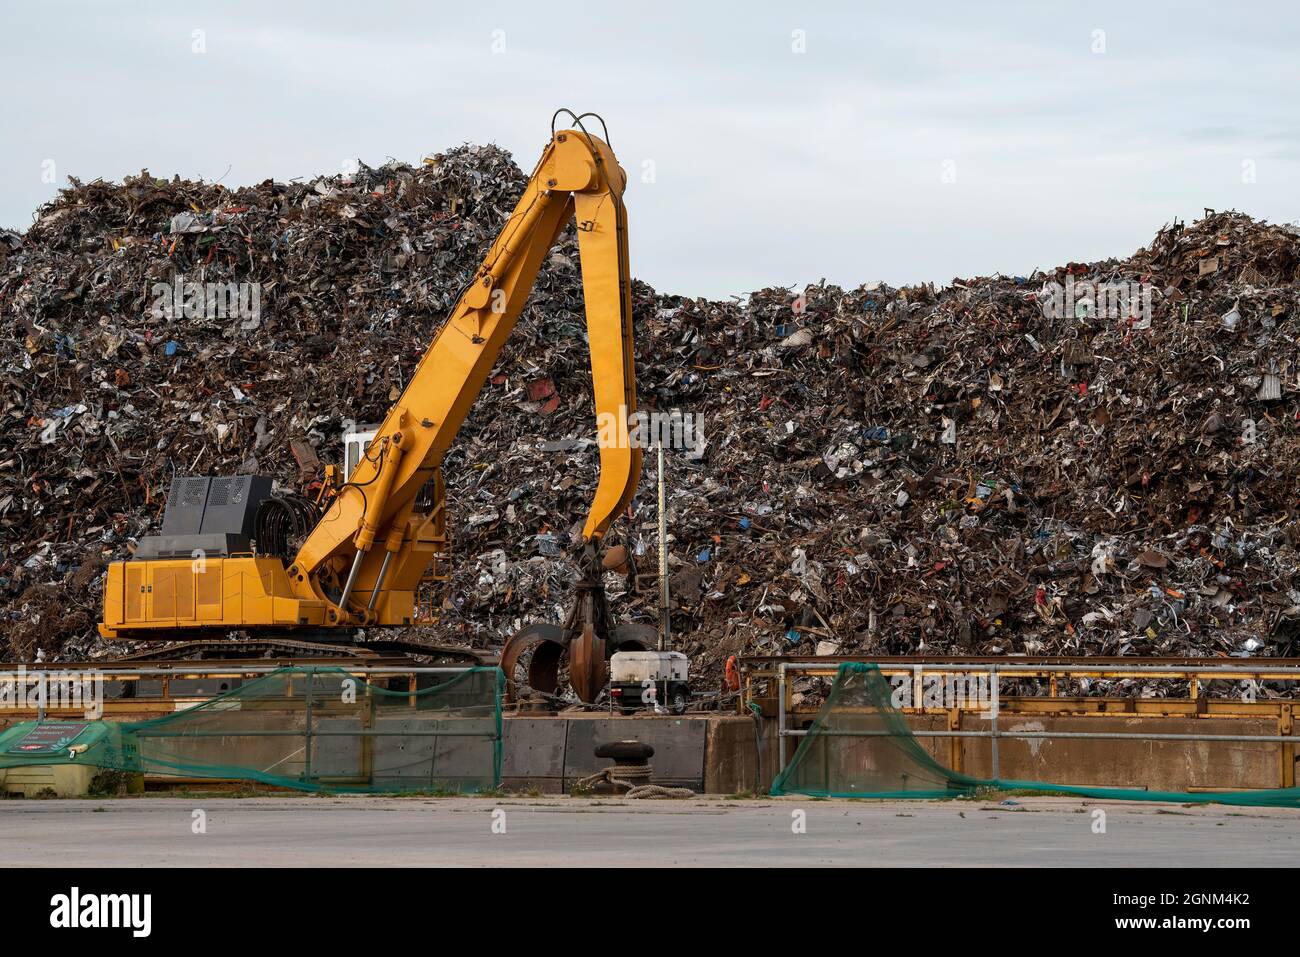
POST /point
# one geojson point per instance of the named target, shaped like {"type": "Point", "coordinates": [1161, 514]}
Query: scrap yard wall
{"type": "Point", "coordinates": [1141, 764]}
{"type": "Point", "coordinates": [731, 753]}
{"type": "Point", "coordinates": [720, 754]}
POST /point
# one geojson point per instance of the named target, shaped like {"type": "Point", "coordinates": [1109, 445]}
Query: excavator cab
{"type": "Point", "coordinates": [355, 443]}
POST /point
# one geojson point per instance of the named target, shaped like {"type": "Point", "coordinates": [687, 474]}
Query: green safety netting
{"type": "Point", "coordinates": [314, 729]}
{"type": "Point", "coordinates": [861, 746]}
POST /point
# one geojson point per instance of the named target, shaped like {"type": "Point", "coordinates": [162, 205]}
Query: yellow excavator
{"type": "Point", "coordinates": [384, 530]}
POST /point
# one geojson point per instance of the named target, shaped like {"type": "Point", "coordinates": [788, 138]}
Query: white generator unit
{"type": "Point", "coordinates": [641, 679]}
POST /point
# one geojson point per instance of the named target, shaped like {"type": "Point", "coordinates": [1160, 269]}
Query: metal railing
{"type": "Point", "coordinates": [146, 689]}
{"type": "Point", "coordinates": [1198, 675]}
{"type": "Point", "coordinates": [307, 703]}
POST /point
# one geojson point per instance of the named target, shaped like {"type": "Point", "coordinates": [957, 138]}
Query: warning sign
{"type": "Point", "coordinates": [49, 737]}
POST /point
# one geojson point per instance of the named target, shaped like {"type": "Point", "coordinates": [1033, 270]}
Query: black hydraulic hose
{"type": "Point", "coordinates": [283, 522]}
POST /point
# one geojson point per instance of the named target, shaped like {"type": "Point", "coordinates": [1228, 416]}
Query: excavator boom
{"type": "Point", "coordinates": [576, 176]}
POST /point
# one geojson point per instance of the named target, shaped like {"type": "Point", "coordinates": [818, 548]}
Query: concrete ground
{"type": "Point", "coordinates": [343, 831]}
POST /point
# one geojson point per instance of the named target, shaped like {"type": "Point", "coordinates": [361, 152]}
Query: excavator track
{"type": "Point", "coordinates": [292, 650]}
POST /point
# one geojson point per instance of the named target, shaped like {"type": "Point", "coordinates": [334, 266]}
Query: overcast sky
{"type": "Point", "coordinates": [788, 142]}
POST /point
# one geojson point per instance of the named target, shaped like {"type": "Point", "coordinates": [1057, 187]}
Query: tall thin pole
{"type": "Point", "coordinates": [665, 623]}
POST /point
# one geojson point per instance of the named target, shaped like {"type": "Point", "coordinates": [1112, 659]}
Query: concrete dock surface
{"type": "Point", "coordinates": [334, 831]}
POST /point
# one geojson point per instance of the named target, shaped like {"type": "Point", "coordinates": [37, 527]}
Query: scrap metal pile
{"type": "Point", "coordinates": [954, 470]}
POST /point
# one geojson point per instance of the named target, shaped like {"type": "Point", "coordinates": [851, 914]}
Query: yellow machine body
{"type": "Point", "coordinates": [217, 593]}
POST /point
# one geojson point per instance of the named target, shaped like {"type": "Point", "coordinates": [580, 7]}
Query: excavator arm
{"type": "Point", "coordinates": [372, 544]}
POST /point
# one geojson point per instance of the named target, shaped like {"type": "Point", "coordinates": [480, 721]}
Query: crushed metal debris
{"type": "Point", "coordinates": [1093, 459]}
